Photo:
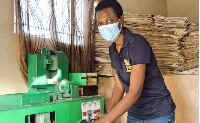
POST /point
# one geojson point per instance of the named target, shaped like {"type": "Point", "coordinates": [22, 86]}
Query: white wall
{"type": "Point", "coordinates": [10, 76]}
{"type": "Point", "coordinates": [170, 8]}
{"type": "Point", "coordinates": [157, 7]}
{"type": "Point", "coordinates": [184, 8]}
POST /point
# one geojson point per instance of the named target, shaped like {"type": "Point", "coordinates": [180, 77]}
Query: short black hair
{"type": "Point", "coordinates": [110, 4]}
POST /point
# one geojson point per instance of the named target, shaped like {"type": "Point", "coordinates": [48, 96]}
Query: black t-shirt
{"type": "Point", "coordinates": [155, 100]}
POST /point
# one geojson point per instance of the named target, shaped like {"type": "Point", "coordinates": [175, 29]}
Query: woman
{"type": "Point", "coordinates": [135, 69]}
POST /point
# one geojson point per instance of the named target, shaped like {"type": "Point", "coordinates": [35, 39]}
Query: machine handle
{"type": "Point", "coordinates": [84, 121]}
{"type": "Point", "coordinates": [92, 120]}
{"type": "Point", "coordinates": [64, 86]}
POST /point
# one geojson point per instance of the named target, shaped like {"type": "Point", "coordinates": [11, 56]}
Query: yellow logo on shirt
{"type": "Point", "coordinates": [127, 64]}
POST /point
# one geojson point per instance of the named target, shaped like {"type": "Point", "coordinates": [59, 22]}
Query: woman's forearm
{"type": "Point", "coordinates": [124, 105]}
{"type": "Point", "coordinates": [116, 97]}
{"type": "Point", "coordinates": [135, 89]}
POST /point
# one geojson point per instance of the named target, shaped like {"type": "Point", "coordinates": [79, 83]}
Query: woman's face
{"type": "Point", "coordinates": [106, 16]}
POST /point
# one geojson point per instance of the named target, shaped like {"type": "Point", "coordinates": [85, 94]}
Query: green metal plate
{"type": "Point", "coordinates": [66, 111]}
{"type": "Point", "coordinates": [22, 99]}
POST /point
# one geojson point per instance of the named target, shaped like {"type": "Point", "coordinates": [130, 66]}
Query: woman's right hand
{"type": "Point", "coordinates": [99, 116]}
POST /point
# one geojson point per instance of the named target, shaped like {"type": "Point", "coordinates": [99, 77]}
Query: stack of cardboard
{"type": "Point", "coordinates": [102, 58]}
{"type": "Point", "coordinates": [138, 23]}
{"type": "Point", "coordinates": [174, 44]}
{"type": "Point", "coordinates": [190, 51]}
{"type": "Point", "coordinates": [165, 40]}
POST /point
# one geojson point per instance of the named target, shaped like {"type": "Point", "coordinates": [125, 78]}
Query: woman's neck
{"type": "Point", "coordinates": [119, 41]}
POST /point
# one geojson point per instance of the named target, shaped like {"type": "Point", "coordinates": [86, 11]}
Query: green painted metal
{"type": "Point", "coordinates": [79, 78]}
{"type": "Point", "coordinates": [64, 86]}
{"type": "Point", "coordinates": [63, 65]}
{"type": "Point", "coordinates": [39, 69]}
{"type": "Point", "coordinates": [52, 63]}
{"type": "Point", "coordinates": [76, 78]}
{"type": "Point", "coordinates": [66, 111]}
{"type": "Point", "coordinates": [36, 71]}
{"type": "Point", "coordinates": [47, 98]}
{"type": "Point", "coordinates": [74, 91]}
{"type": "Point", "coordinates": [82, 121]}
{"type": "Point", "coordinates": [22, 99]}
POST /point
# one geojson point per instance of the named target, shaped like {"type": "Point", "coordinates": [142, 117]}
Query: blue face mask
{"type": "Point", "coordinates": [110, 32]}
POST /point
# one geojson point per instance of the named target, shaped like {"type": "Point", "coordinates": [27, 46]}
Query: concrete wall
{"type": "Point", "coordinates": [185, 93]}
{"type": "Point", "coordinates": [170, 8]}
{"type": "Point", "coordinates": [184, 90]}
{"type": "Point", "coordinates": [184, 8]}
{"type": "Point", "coordinates": [10, 76]}
{"type": "Point", "coordinates": [157, 7]}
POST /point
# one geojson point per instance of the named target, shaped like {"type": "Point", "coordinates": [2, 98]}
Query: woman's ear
{"type": "Point", "coordinates": [122, 18]}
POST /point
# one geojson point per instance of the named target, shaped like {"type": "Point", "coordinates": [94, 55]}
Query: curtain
{"type": "Point", "coordinates": [60, 25]}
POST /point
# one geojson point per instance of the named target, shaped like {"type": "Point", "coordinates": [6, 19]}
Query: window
{"type": "Point", "coordinates": [62, 25]}
{"type": "Point", "coordinates": [53, 18]}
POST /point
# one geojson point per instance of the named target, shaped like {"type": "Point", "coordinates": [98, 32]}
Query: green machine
{"type": "Point", "coordinates": [53, 93]}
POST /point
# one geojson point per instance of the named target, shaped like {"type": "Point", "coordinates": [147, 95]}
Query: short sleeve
{"type": "Point", "coordinates": [111, 56]}
{"type": "Point", "coordinates": [139, 50]}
